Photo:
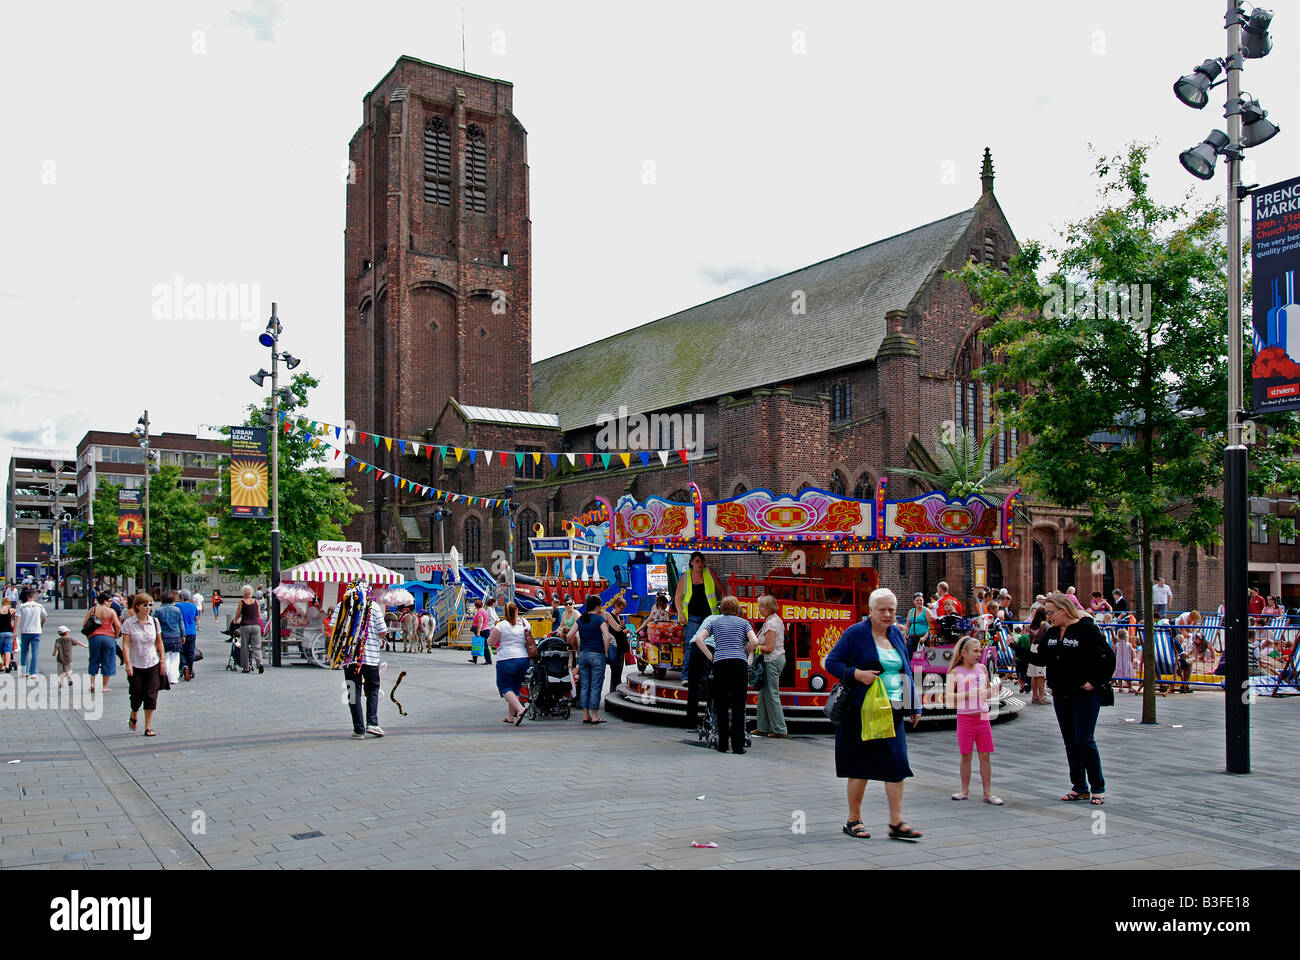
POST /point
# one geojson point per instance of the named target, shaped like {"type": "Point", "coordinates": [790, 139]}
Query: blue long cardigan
{"type": "Point", "coordinates": [858, 648]}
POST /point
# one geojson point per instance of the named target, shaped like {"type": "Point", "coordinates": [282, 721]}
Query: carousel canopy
{"type": "Point", "coordinates": [340, 569]}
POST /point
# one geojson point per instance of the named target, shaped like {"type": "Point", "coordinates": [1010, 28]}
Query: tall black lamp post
{"type": "Point", "coordinates": [1247, 127]}
{"type": "Point", "coordinates": [270, 337]}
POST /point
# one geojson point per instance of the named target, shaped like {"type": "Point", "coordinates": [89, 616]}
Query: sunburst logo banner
{"type": "Point", "coordinates": [249, 477]}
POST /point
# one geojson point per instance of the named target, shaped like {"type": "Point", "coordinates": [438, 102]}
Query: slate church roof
{"type": "Point", "coordinates": [750, 338]}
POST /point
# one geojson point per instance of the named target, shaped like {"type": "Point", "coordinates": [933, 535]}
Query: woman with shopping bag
{"type": "Point", "coordinates": [873, 655]}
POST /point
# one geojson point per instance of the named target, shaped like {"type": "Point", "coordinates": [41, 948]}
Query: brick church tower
{"type": "Point", "coordinates": [437, 262]}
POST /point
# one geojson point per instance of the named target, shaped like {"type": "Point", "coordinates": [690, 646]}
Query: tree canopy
{"type": "Point", "coordinates": [313, 506]}
{"type": "Point", "coordinates": [1116, 367]}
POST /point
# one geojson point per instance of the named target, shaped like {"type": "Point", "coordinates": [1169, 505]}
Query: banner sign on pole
{"type": "Point", "coordinates": [1275, 262]}
{"type": "Point", "coordinates": [249, 479]}
{"type": "Point", "coordinates": [130, 517]}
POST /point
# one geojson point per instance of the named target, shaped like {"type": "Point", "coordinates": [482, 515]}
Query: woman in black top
{"type": "Point", "coordinates": [1079, 662]}
{"type": "Point", "coordinates": [618, 650]}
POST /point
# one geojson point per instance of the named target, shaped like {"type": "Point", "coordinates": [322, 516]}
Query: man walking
{"type": "Point", "coordinates": [31, 621]}
{"type": "Point", "coordinates": [361, 668]}
{"type": "Point", "coordinates": [190, 630]}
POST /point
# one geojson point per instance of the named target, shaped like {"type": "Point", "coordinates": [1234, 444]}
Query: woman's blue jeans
{"type": "Point", "coordinates": [591, 674]}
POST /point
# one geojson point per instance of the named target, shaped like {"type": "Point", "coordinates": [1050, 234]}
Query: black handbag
{"type": "Point", "coordinates": [758, 672]}
{"type": "Point", "coordinates": [838, 704]}
{"type": "Point", "coordinates": [198, 654]}
{"type": "Point", "coordinates": [91, 625]}
{"type": "Point", "coordinates": [1107, 693]}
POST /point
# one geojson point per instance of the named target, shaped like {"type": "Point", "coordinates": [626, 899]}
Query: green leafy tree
{"type": "Point", "coordinates": [177, 528]}
{"type": "Point", "coordinates": [177, 524]}
{"type": "Point", "coordinates": [313, 506]}
{"type": "Point", "coordinates": [1156, 378]}
{"type": "Point", "coordinates": [112, 559]}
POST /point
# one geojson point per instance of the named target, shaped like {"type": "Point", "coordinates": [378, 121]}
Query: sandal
{"type": "Point", "coordinates": [961, 796]}
{"type": "Point", "coordinates": [1098, 799]}
{"type": "Point", "coordinates": [901, 831]}
{"type": "Point", "coordinates": [131, 723]}
{"type": "Point", "coordinates": [151, 733]}
{"type": "Point", "coordinates": [996, 801]}
{"type": "Point", "coordinates": [857, 830]}
{"type": "Point", "coordinates": [1074, 795]}
{"type": "Point", "coordinates": [519, 717]}
{"type": "Point", "coordinates": [601, 720]}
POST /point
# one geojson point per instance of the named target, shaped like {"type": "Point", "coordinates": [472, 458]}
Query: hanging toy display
{"type": "Point", "coordinates": [349, 627]}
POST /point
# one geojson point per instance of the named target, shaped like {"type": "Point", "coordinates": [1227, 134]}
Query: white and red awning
{"type": "Point", "coordinates": [340, 570]}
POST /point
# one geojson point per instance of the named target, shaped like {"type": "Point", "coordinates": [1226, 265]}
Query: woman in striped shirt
{"type": "Point", "coordinates": [734, 639]}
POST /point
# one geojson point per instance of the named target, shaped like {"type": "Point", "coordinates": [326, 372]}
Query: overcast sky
{"type": "Point", "coordinates": [207, 141]}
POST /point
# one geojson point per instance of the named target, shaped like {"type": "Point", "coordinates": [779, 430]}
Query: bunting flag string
{"type": "Point", "coordinates": [316, 441]}
{"type": "Point", "coordinates": [321, 430]}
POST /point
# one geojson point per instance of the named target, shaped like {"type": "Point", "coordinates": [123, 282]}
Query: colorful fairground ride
{"type": "Point", "coordinates": [637, 544]}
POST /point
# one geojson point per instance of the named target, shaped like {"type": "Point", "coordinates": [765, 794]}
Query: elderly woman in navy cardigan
{"type": "Point", "coordinates": [870, 649]}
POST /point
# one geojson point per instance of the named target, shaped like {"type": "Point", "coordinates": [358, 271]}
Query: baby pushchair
{"type": "Point", "coordinates": [550, 684]}
{"type": "Point", "coordinates": [233, 633]}
{"type": "Point", "coordinates": [708, 728]}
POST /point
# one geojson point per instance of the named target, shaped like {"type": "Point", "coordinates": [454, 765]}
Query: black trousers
{"type": "Point", "coordinates": [728, 685]}
{"type": "Point", "coordinates": [695, 677]}
{"type": "Point", "coordinates": [616, 668]}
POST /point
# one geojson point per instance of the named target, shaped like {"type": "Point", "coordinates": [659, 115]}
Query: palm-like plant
{"type": "Point", "coordinates": [960, 459]}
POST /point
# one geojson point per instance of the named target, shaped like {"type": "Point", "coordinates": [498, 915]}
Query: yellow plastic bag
{"type": "Point", "coordinates": [877, 714]}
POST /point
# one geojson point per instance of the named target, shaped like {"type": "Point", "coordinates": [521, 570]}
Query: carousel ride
{"type": "Point", "coordinates": [818, 601]}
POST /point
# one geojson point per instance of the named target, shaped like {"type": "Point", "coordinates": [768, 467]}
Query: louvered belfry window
{"type": "Point", "coordinates": [437, 162]}
{"type": "Point", "coordinates": [476, 157]}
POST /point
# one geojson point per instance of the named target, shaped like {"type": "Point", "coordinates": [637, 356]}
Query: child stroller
{"type": "Point", "coordinates": [550, 684]}
{"type": "Point", "coordinates": [233, 633]}
{"type": "Point", "coordinates": [708, 728]}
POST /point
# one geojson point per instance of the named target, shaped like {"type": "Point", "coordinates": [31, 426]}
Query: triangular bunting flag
{"type": "Point", "coordinates": [487, 457]}
{"type": "Point", "coordinates": [587, 457]}
{"type": "Point", "coordinates": [337, 453]}
{"type": "Point", "coordinates": [472, 454]}
{"type": "Point", "coordinates": [554, 458]}
{"type": "Point", "coordinates": [519, 459]}
{"type": "Point", "coordinates": [458, 451]}
{"type": "Point", "coordinates": [442, 452]}
{"type": "Point", "coordinates": [396, 480]}
{"type": "Point", "coordinates": [415, 448]}
{"type": "Point", "coordinates": [364, 437]}
{"type": "Point", "coordinates": [401, 445]}
{"type": "Point", "coordinates": [504, 456]}
{"type": "Point", "coordinates": [537, 457]}
{"type": "Point", "coordinates": [376, 439]}
{"type": "Point", "coordinates": [663, 457]}
{"type": "Point", "coordinates": [626, 458]}
{"type": "Point", "coordinates": [428, 451]}
{"type": "Point", "coordinates": [604, 459]}
{"type": "Point", "coordinates": [338, 432]}
{"type": "Point", "coordinates": [570, 457]}
{"type": "Point", "coordinates": [388, 442]}
{"type": "Point", "coordinates": [683, 454]}
{"type": "Point", "coordinates": [645, 458]}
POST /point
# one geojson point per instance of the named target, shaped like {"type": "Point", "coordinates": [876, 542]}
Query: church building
{"type": "Point", "coordinates": [827, 377]}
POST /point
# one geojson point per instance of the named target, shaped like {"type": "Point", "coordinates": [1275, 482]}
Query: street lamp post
{"type": "Point", "coordinates": [271, 338]}
{"type": "Point", "coordinates": [1193, 90]}
{"type": "Point", "coordinates": [54, 529]}
{"type": "Point", "coordinates": [141, 433]}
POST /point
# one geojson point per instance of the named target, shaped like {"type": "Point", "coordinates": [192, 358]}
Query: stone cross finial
{"type": "Point", "coordinates": [986, 172]}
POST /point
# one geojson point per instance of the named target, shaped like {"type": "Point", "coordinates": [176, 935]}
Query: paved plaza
{"type": "Point", "coordinates": [245, 765]}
